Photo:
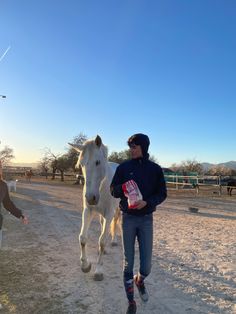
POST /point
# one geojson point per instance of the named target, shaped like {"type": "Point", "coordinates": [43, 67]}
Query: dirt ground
{"type": "Point", "coordinates": [193, 256]}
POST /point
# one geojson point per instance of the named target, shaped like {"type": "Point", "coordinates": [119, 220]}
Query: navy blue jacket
{"type": "Point", "coordinates": [150, 180]}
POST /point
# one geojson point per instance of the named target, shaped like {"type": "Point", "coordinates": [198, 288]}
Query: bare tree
{"type": "Point", "coordinates": [52, 160]}
{"type": "Point", "coordinates": [153, 158]}
{"type": "Point", "coordinates": [6, 155]}
{"type": "Point", "coordinates": [175, 167]}
{"type": "Point", "coordinates": [192, 166]}
{"type": "Point", "coordinates": [219, 170]}
{"type": "Point", "coordinates": [72, 154]}
{"type": "Point", "coordinates": [44, 165]}
{"type": "Point", "coordinates": [80, 139]}
{"type": "Point", "coordinates": [188, 166]}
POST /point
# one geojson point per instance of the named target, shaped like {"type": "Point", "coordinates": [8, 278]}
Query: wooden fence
{"type": "Point", "coordinates": [177, 182]}
{"type": "Point", "coordinates": [174, 182]}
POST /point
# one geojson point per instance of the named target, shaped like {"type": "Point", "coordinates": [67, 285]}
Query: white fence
{"type": "Point", "coordinates": [195, 182]}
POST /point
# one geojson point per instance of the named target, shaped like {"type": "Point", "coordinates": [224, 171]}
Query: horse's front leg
{"type": "Point", "coordinates": [86, 219]}
{"type": "Point", "coordinates": [98, 274]}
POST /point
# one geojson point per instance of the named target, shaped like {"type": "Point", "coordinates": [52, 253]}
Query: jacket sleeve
{"type": "Point", "coordinates": [116, 184]}
{"type": "Point", "coordinates": [161, 193]}
{"type": "Point", "coordinates": [10, 206]}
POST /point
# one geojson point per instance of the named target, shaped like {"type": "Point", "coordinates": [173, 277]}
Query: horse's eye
{"type": "Point", "coordinates": [97, 162]}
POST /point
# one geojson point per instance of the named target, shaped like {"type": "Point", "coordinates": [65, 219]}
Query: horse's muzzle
{"type": "Point", "coordinates": [92, 200]}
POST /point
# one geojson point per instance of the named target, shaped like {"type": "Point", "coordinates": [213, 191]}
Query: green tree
{"type": "Point", "coordinates": [119, 157]}
{"type": "Point", "coordinates": [53, 165]}
{"type": "Point", "coordinates": [63, 164]}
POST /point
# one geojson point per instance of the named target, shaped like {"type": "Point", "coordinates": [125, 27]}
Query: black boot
{"type": "Point", "coordinates": [132, 308]}
{"type": "Point", "coordinates": [143, 293]}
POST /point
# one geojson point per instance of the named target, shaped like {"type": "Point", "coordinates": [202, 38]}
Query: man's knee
{"type": "Point", "coordinates": [146, 270]}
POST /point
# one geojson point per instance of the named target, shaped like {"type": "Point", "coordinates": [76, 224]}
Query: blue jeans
{"type": "Point", "coordinates": [142, 228]}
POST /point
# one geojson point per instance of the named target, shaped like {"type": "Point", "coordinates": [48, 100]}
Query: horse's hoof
{"type": "Point", "coordinates": [86, 269]}
{"type": "Point", "coordinates": [98, 277]}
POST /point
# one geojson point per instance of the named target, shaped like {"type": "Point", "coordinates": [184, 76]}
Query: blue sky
{"type": "Point", "coordinates": [117, 67]}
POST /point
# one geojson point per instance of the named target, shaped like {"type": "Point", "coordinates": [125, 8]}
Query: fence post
{"type": "Point", "coordinates": [197, 186]}
{"type": "Point", "coordinates": [220, 188]}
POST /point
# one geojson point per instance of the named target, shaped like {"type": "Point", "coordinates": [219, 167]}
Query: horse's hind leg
{"type": "Point", "coordinates": [86, 219]}
{"type": "Point", "coordinates": [229, 190]}
{"type": "Point", "coordinates": [114, 226]}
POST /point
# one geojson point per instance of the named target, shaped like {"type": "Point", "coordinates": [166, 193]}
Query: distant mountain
{"type": "Point", "coordinates": [206, 166]}
{"type": "Point", "coordinates": [229, 164]}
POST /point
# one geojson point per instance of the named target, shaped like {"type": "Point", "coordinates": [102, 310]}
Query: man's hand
{"type": "Point", "coordinates": [140, 204]}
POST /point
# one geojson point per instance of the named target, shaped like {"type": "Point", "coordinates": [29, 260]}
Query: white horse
{"type": "Point", "coordinates": [98, 173]}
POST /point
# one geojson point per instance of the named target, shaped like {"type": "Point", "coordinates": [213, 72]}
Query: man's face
{"type": "Point", "coordinates": [136, 151]}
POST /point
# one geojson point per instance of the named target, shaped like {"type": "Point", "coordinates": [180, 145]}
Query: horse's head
{"type": "Point", "coordinates": [93, 161]}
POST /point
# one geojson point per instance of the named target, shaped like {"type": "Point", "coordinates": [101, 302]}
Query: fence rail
{"type": "Point", "coordinates": [174, 182]}
{"type": "Point", "coordinates": [196, 182]}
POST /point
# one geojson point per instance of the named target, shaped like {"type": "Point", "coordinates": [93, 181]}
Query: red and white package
{"type": "Point", "coordinates": [132, 192]}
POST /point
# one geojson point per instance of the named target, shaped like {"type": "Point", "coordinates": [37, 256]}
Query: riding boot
{"type": "Point", "coordinates": [139, 282]}
{"type": "Point", "coordinates": [132, 308]}
{"type": "Point", "coordinates": [129, 289]}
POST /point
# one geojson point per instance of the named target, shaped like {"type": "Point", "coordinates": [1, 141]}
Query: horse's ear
{"type": "Point", "coordinates": [98, 141]}
{"type": "Point", "coordinates": [78, 148]}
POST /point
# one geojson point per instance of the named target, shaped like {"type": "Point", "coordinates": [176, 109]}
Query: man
{"type": "Point", "coordinates": [8, 204]}
{"type": "Point", "coordinates": [143, 179]}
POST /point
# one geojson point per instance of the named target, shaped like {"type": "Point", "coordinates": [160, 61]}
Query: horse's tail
{"type": "Point", "coordinates": [115, 222]}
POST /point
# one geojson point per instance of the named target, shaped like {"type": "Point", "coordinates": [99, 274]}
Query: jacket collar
{"type": "Point", "coordinates": [141, 159]}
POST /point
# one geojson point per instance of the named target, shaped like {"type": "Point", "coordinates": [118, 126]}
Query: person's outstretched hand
{"type": "Point", "coordinates": [25, 220]}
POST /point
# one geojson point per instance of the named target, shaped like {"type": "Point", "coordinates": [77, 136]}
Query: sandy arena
{"type": "Point", "coordinates": [194, 257]}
